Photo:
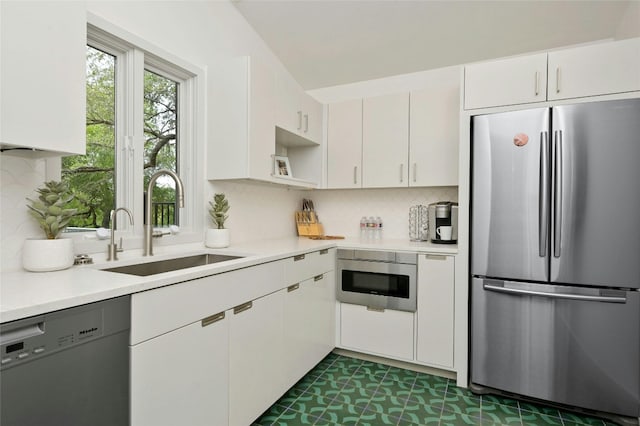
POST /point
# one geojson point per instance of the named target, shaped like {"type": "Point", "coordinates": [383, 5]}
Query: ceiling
{"type": "Point", "coordinates": [327, 43]}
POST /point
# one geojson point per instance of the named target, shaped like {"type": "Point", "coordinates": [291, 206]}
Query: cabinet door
{"type": "Point", "coordinates": [311, 118]}
{"type": "Point", "coordinates": [434, 339]}
{"type": "Point", "coordinates": [344, 144]}
{"type": "Point", "coordinates": [181, 378]}
{"type": "Point", "coordinates": [308, 325]}
{"type": "Point", "coordinates": [381, 332]}
{"type": "Point", "coordinates": [595, 70]}
{"type": "Point", "coordinates": [385, 141]}
{"type": "Point", "coordinates": [43, 57]}
{"type": "Point", "coordinates": [433, 135]}
{"type": "Point", "coordinates": [255, 358]}
{"type": "Point", "coordinates": [511, 81]}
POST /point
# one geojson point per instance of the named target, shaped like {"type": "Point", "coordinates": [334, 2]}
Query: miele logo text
{"type": "Point", "coordinates": [89, 330]}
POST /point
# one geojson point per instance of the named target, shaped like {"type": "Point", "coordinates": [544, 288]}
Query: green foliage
{"type": "Point", "coordinates": [218, 210]}
{"type": "Point", "coordinates": [91, 177]}
{"type": "Point", "coordinates": [51, 209]}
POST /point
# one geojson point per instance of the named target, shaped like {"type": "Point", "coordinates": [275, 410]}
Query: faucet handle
{"type": "Point", "coordinates": [119, 248]}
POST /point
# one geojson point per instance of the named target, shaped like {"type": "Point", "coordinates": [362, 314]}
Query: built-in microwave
{"type": "Point", "coordinates": [377, 279]}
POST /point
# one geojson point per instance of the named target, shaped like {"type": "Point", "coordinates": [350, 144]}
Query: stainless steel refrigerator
{"type": "Point", "coordinates": [555, 254]}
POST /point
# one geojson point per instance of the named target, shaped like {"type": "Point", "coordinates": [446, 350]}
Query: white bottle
{"type": "Point", "coordinates": [379, 228]}
{"type": "Point", "coordinates": [363, 228]}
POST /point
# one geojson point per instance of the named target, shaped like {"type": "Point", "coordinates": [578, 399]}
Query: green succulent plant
{"type": "Point", "coordinates": [218, 210]}
{"type": "Point", "coordinates": [50, 209]}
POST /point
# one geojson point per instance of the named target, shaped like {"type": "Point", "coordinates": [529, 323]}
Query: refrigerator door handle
{"type": "Point", "coordinates": [557, 193]}
{"type": "Point", "coordinates": [543, 201]}
{"type": "Point", "coordinates": [566, 296]}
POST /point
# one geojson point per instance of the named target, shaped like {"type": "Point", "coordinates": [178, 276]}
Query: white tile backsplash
{"type": "Point", "coordinates": [340, 210]}
{"type": "Point", "coordinates": [19, 178]}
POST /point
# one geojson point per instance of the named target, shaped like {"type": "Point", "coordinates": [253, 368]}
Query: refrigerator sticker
{"type": "Point", "coordinates": [520, 139]}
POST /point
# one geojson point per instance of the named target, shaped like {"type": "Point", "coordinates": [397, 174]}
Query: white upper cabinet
{"type": "Point", "coordinates": [385, 136]}
{"type": "Point", "coordinates": [243, 131]}
{"type": "Point", "coordinates": [511, 81]}
{"type": "Point", "coordinates": [433, 134]}
{"type": "Point", "coordinates": [297, 112]}
{"type": "Point", "coordinates": [344, 140]}
{"type": "Point", "coordinates": [595, 70]}
{"type": "Point", "coordinates": [600, 69]}
{"type": "Point", "coordinates": [42, 75]}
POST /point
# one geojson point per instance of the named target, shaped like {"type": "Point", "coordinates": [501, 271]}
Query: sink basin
{"type": "Point", "coordinates": [158, 267]}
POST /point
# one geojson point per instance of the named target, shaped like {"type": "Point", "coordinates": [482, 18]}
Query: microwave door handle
{"type": "Point", "coordinates": [566, 296]}
{"type": "Point", "coordinates": [543, 194]}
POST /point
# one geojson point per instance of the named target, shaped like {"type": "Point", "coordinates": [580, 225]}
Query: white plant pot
{"type": "Point", "coordinates": [216, 238]}
{"type": "Point", "coordinates": [40, 255]}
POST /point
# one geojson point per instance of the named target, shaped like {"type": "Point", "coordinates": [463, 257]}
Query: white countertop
{"type": "Point", "coordinates": [24, 294]}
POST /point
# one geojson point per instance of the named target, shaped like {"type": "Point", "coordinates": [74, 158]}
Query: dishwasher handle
{"type": "Point", "coordinates": [565, 296]}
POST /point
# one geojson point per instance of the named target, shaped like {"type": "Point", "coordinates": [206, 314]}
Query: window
{"type": "Point", "coordinates": [142, 107]}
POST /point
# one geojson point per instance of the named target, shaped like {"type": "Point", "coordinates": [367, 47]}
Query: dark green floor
{"type": "Point", "coordinates": [347, 391]}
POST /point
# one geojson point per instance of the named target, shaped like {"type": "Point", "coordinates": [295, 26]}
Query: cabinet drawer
{"type": "Point", "coordinates": [308, 265]}
{"type": "Point", "coordinates": [158, 311]}
{"type": "Point", "coordinates": [382, 332]}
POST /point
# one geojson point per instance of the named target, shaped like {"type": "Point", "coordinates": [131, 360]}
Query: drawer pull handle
{"type": "Point", "coordinates": [213, 318]}
{"type": "Point", "coordinates": [293, 288]}
{"type": "Point", "coordinates": [435, 257]}
{"type": "Point", "coordinates": [372, 309]}
{"type": "Point", "coordinates": [324, 251]}
{"type": "Point", "coordinates": [298, 257]}
{"type": "Point", "coordinates": [318, 277]}
{"type": "Point", "coordinates": [241, 308]}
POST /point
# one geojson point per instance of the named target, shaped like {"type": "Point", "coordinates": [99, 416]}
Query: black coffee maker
{"type": "Point", "coordinates": [443, 222]}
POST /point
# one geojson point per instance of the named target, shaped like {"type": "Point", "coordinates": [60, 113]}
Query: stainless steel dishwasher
{"type": "Point", "coordinates": [69, 367]}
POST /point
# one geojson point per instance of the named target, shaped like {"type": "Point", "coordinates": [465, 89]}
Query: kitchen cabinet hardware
{"type": "Point", "coordinates": [324, 251]}
{"type": "Point", "coordinates": [355, 174]}
{"type": "Point", "coordinates": [373, 309]}
{"type": "Point", "coordinates": [318, 277]}
{"type": "Point", "coordinates": [415, 172]}
{"type": "Point", "coordinates": [299, 120]}
{"type": "Point", "coordinates": [401, 172]}
{"type": "Point", "coordinates": [212, 319]}
{"type": "Point", "coordinates": [435, 257]}
{"type": "Point", "coordinates": [298, 257]}
{"type": "Point", "coordinates": [306, 123]}
{"type": "Point", "coordinates": [558, 80]}
{"type": "Point", "coordinates": [537, 83]}
{"type": "Point", "coordinates": [293, 288]}
{"type": "Point", "coordinates": [241, 308]}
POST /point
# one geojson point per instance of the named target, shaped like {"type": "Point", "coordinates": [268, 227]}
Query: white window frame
{"type": "Point", "coordinates": [133, 56]}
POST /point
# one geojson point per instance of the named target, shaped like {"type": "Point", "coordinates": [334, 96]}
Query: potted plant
{"type": "Point", "coordinates": [218, 236]}
{"type": "Point", "coordinates": [51, 211]}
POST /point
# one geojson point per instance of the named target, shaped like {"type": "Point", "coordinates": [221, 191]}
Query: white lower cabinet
{"type": "Point", "coordinates": [255, 357]}
{"type": "Point", "coordinates": [435, 316]}
{"type": "Point", "coordinates": [181, 378]}
{"type": "Point", "coordinates": [381, 332]}
{"type": "Point", "coordinates": [308, 325]}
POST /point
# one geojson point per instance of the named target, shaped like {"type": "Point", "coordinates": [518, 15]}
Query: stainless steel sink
{"type": "Point", "coordinates": [160, 266]}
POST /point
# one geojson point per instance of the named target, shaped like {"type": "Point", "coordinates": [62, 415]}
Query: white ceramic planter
{"type": "Point", "coordinates": [40, 255]}
{"type": "Point", "coordinates": [216, 238]}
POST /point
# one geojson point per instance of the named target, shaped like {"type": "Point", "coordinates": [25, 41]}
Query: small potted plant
{"type": "Point", "coordinates": [218, 236]}
{"type": "Point", "coordinates": [51, 211]}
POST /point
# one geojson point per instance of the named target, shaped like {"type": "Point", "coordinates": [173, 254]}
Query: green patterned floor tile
{"type": "Point", "coordinates": [371, 418]}
{"type": "Point", "coordinates": [337, 413]}
{"type": "Point", "coordinates": [347, 362]}
{"type": "Point", "coordinates": [271, 415]}
{"type": "Point", "coordinates": [426, 396]}
{"type": "Point", "coordinates": [431, 381]}
{"type": "Point", "coordinates": [461, 405]}
{"type": "Point", "coordinates": [501, 415]}
{"type": "Point", "coordinates": [325, 388]}
{"type": "Point", "coordinates": [291, 417]}
{"type": "Point", "coordinates": [498, 399]}
{"type": "Point", "coordinates": [568, 418]}
{"type": "Point", "coordinates": [340, 375]}
{"type": "Point", "coordinates": [393, 389]}
{"type": "Point", "coordinates": [539, 409]}
{"type": "Point", "coordinates": [457, 419]}
{"type": "Point", "coordinates": [373, 368]}
{"type": "Point", "coordinates": [536, 419]}
{"type": "Point", "coordinates": [401, 375]}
